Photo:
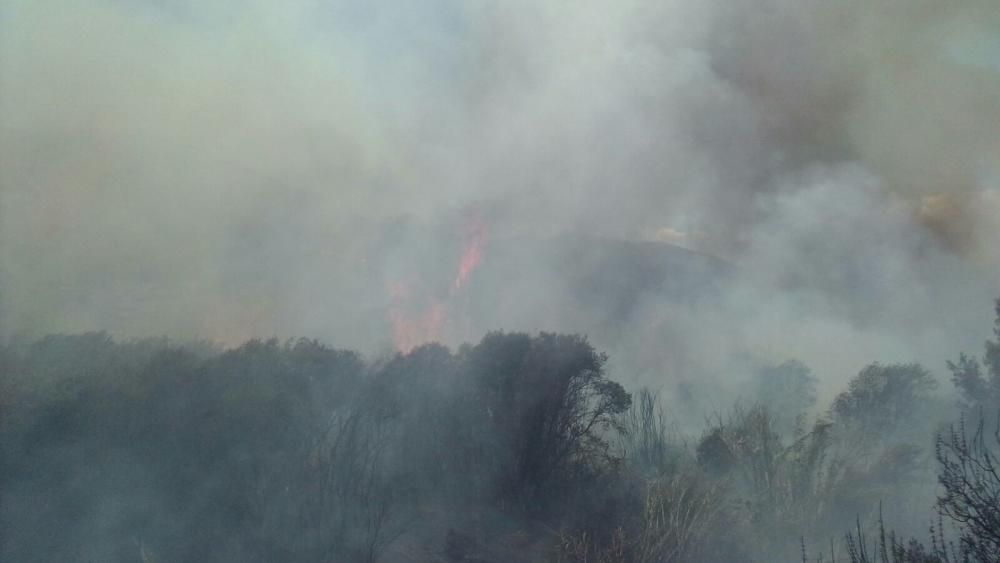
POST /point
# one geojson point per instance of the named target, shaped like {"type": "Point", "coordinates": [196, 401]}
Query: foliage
{"type": "Point", "coordinates": [289, 451]}
{"type": "Point", "coordinates": [677, 517]}
{"type": "Point", "coordinates": [979, 390]}
{"type": "Point", "coordinates": [549, 405]}
{"type": "Point", "coordinates": [888, 548]}
{"type": "Point", "coordinates": [645, 439]}
{"type": "Point", "coordinates": [883, 402]}
{"type": "Point", "coordinates": [518, 447]}
{"type": "Point", "coordinates": [970, 476]}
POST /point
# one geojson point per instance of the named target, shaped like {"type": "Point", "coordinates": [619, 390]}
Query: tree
{"type": "Point", "coordinates": [970, 477]}
{"type": "Point", "coordinates": [645, 438]}
{"type": "Point", "coordinates": [976, 388]}
{"type": "Point", "coordinates": [883, 397]}
{"type": "Point", "coordinates": [549, 403]}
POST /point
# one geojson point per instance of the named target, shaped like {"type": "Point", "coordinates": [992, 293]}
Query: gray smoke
{"type": "Point", "coordinates": [232, 169]}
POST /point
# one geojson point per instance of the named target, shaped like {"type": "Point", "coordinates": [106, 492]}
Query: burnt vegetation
{"type": "Point", "coordinates": [518, 448]}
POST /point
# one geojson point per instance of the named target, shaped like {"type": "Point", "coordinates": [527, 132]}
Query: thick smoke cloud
{"type": "Point", "coordinates": [237, 169]}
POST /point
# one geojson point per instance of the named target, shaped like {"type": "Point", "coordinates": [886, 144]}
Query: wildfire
{"type": "Point", "coordinates": [472, 254]}
{"type": "Point", "coordinates": [408, 333]}
{"type": "Point", "coordinates": [411, 330]}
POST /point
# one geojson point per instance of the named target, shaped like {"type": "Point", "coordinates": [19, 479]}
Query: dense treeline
{"type": "Point", "coordinates": [516, 448]}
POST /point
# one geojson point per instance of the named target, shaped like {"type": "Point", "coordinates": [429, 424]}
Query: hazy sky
{"type": "Point", "coordinates": [221, 169]}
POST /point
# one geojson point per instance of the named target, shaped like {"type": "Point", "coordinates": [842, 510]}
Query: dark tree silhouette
{"type": "Point", "coordinates": [550, 405]}
{"type": "Point", "coordinates": [978, 389]}
{"type": "Point", "coordinates": [970, 476]}
{"type": "Point", "coordinates": [882, 398]}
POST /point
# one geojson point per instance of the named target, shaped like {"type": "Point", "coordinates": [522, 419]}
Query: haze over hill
{"type": "Point", "coordinates": [226, 170]}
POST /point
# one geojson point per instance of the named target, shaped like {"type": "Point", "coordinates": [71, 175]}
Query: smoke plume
{"type": "Point", "coordinates": [235, 169]}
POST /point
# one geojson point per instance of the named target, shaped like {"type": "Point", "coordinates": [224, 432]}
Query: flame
{"type": "Point", "coordinates": [472, 255]}
{"type": "Point", "coordinates": [412, 330]}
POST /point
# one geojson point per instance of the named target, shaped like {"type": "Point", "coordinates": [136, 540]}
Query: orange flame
{"type": "Point", "coordinates": [472, 255]}
{"type": "Point", "coordinates": [411, 331]}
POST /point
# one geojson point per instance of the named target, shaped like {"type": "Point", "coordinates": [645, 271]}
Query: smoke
{"type": "Point", "coordinates": [236, 169]}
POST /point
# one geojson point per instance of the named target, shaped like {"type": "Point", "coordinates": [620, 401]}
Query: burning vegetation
{"type": "Point", "coordinates": [420, 317]}
{"type": "Point", "coordinates": [612, 281]}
